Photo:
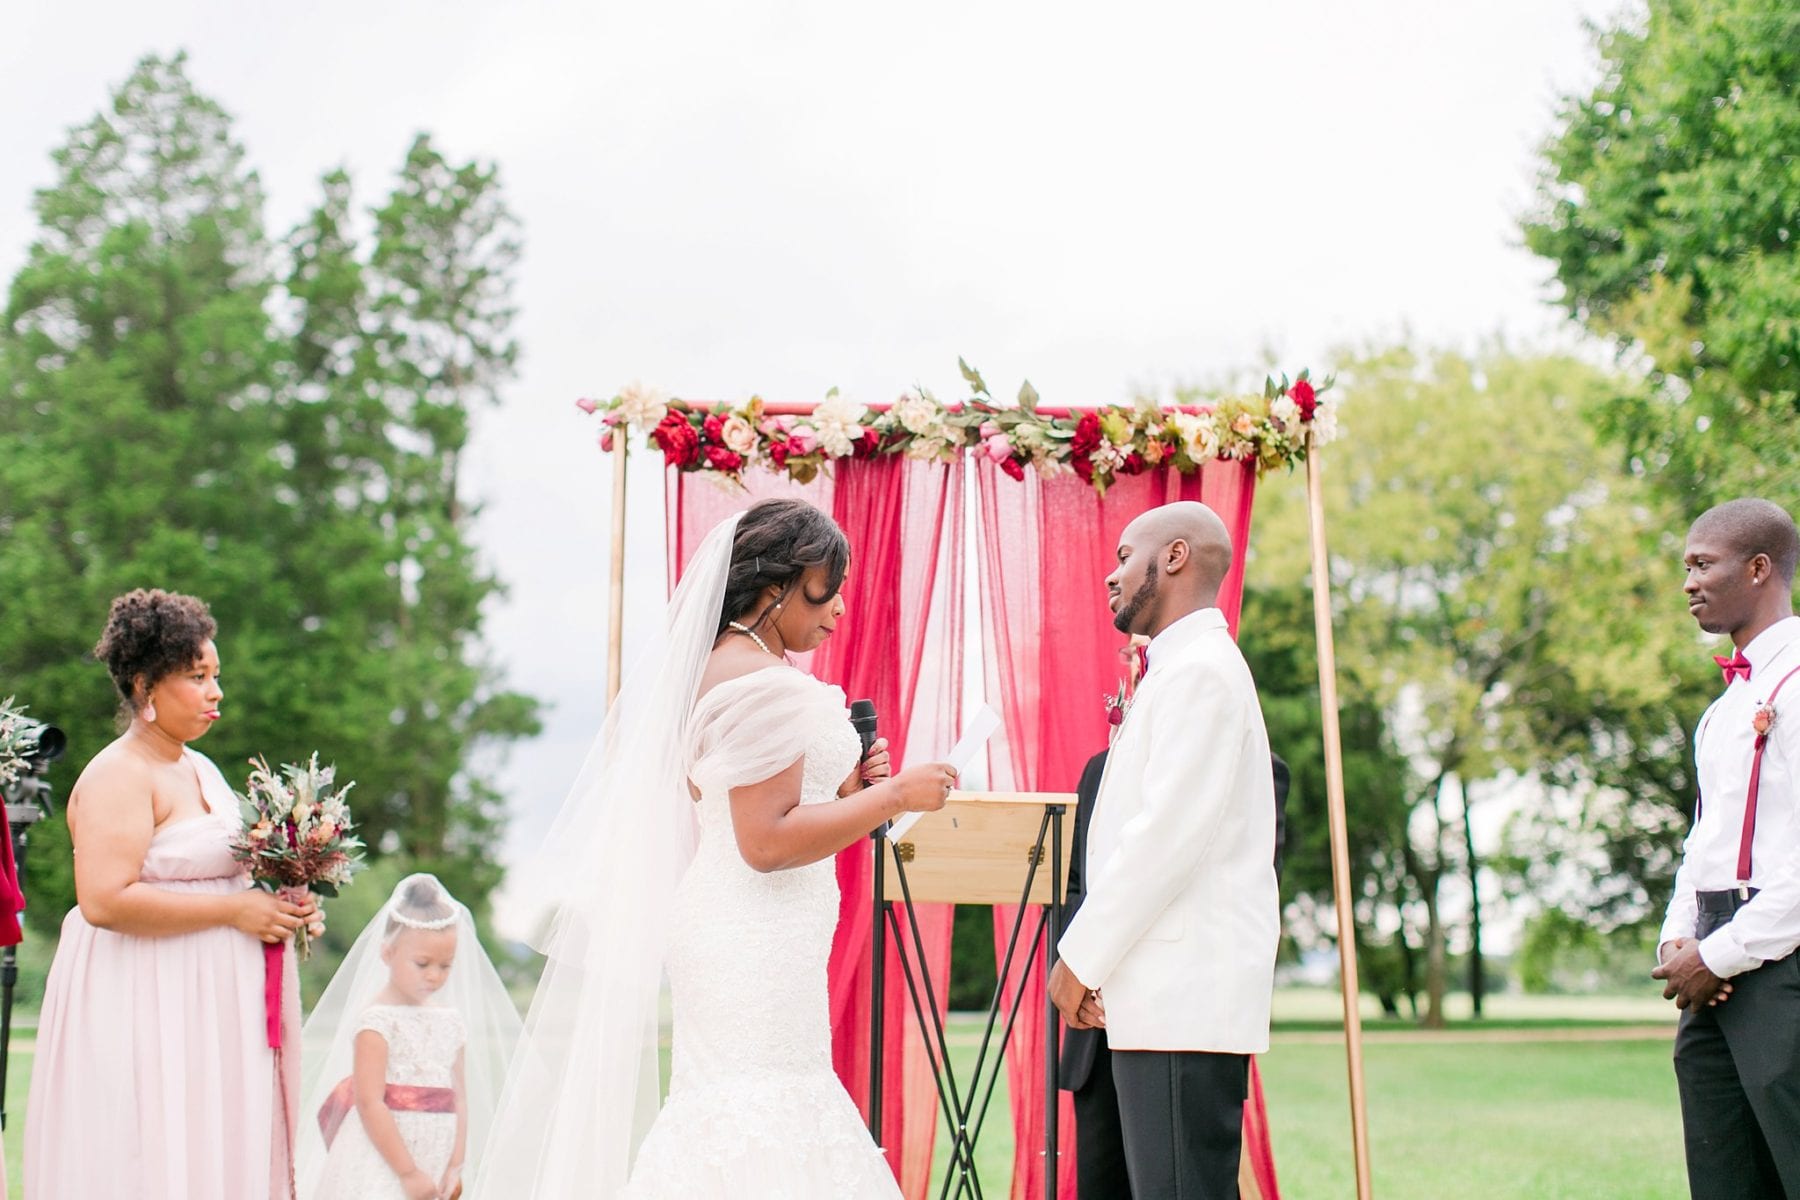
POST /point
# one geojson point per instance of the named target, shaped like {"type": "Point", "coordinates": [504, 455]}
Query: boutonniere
{"type": "Point", "coordinates": [1116, 704]}
{"type": "Point", "coordinates": [1763, 719]}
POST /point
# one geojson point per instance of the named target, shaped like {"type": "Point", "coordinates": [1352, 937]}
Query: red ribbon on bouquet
{"type": "Point", "coordinates": [272, 963]}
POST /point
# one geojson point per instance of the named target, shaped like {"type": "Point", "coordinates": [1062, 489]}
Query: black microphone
{"type": "Point", "coordinates": [862, 719]}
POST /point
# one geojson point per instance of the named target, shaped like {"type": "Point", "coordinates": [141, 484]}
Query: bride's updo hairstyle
{"type": "Point", "coordinates": [423, 905]}
{"type": "Point", "coordinates": [778, 541]}
{"type": "Point", "coordinates": [151, 634]}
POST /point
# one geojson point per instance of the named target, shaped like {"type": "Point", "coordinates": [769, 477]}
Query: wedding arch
{"type": "Point", "coordinates": [1050, 489]}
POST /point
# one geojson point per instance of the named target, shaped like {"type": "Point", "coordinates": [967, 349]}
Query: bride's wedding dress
{"type": "Point", "coordinates": [754, 1107]}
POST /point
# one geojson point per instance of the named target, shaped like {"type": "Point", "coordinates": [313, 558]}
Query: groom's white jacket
{"type": "Point", "coordinates": [1181, 919]}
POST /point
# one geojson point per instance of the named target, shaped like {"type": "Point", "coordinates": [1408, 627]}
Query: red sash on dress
{"type": "Point", "coordinates": [399, 1097]}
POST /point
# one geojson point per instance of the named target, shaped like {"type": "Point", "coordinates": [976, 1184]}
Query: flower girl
{"type": "Point", "coordinates": [404, 1055]}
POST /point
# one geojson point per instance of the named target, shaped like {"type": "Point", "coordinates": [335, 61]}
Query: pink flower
{"type": "Point", "coordinates": [803, 441]}
{"type": "Point", "coordinates": [997, 446]}
{"type": "Point", "coordinates": [1763, 719]}
{"type": "Point", "coordinates": [990, 429]}
{"type": "Point", "coordinates": [586, 405]}
{"type": "Point", "coordinates": [606, 441]}
{"type": "Point", "coordinates": [737, 435]}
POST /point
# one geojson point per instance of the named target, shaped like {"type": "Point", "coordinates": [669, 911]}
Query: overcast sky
{"type": "Point", "coordinates": [782, 197]}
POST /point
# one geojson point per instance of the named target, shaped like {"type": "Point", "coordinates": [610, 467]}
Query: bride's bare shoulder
{"type": "Point", "coordinates": [734, 659]}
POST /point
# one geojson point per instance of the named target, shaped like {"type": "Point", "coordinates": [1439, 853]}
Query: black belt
{"type": "Point", "coordinates": [1726, 903]}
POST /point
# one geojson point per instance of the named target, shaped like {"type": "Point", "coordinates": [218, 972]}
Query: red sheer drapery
{"type": "Point", "coordinates": [1051, 654]}
{"type": "Point", "coordinates": [899, 644]}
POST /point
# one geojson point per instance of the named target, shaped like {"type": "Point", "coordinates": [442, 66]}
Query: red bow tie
{"type": "Point", "coordinates": [1735, 667]}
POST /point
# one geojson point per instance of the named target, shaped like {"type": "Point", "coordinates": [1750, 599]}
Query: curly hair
{"type": "Point", "coordinates": [151, 634]}
{"type": "Point", "coordinates": [777, 542]}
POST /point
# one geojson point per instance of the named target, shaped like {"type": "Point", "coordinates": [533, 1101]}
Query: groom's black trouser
{"type": "Point", "coordinates": [1738, 1068]}
{"type": "Point", "coordinates": [1182, 1115]}
{"type": "Point", "coordinates": [1099, 1143]}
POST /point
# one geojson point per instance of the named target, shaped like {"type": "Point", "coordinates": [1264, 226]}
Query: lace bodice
{"type": "Point", "coordinates": [422, 1042]}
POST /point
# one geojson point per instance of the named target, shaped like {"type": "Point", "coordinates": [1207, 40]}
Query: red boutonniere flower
{"type": "Point", "coordinates": [1116, 704]}
{"type": "Point", "coordinates": [1763, 719]}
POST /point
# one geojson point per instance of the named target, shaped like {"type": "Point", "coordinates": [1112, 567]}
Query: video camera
{"type": "Point", "coordinates": [28, 796]}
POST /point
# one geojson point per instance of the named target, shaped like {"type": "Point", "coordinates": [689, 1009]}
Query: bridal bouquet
{"type": "Point", "coordinates": [297, 834]}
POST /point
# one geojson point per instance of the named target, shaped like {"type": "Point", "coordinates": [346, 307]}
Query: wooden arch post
{"type": "Point", "coordinates": [615, 638]}
{"type": "Point", "coordinates": [1342, 900]}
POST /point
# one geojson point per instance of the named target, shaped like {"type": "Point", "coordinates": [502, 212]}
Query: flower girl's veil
{"type": "Point", "coordinates": [473, 988]}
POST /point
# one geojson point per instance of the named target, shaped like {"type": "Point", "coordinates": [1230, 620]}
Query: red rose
{"type": "Point", "coordinates": [1087, 436]}
{"type": "Point", "coordinates": [723, 459]}
{"type": "Point", "coordinates": [1012, 467]}
{"type": "Point", "coordinates": [1133, 465]}
{"type": "Point", "coordinates": [713, 426]}
{"type": "Point", "coordinates": [1084, 467]}
{"type": "Point", "coordinates": [778, 452]}
{"type": "Point", "coordinates": [680, 444]}
{"type": "Point", "coordinates": [867, 444]}
{"type": "Point", "coordinates": [1303, 395]}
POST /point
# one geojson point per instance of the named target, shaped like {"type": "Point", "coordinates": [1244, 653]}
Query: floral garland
{"type": "Point", "coordinates": [1273, 429]}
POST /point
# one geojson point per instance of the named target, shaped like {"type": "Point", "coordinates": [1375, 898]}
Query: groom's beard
{"type": "Point", "coordinates": [1140, 600]}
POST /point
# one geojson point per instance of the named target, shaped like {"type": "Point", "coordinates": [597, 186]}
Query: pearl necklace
{"type": "Point", "coordinates": [751, 634]}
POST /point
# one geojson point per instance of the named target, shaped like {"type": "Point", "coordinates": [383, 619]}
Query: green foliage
{"type": "Point", "coordinates": [160, 427]}
{"type": "Point", "coordinates": [1276, 633]}
{"type": "Point", "coordinates": [1562, 952]}
{"type": "Point", "coordinates": [1670, 206]}
{"type": "Point", "coordinates": [1508, 598]}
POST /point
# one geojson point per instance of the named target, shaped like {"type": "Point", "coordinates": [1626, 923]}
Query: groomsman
{"type": "Point", "coordinates": [1173, 950]}
{"type": "Point", "coordinates": [1727, 949]}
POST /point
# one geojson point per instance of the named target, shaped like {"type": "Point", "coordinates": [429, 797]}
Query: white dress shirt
{"type": "Point", "coordinates": [1768, 927]}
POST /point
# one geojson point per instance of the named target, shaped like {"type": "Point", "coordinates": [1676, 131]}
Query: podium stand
{"type": "Point", "coordinates": [980, 848]}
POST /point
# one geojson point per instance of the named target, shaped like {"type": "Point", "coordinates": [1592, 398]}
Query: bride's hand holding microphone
{"type": "Point", "coordinates": [922, 788]}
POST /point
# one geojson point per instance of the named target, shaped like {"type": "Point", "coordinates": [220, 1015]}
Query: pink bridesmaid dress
{"type": "Point", "coordinates": [153, 1078]}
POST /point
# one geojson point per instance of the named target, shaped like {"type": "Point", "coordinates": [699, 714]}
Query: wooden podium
{"type": "Point", "coordinates": [980, 848]}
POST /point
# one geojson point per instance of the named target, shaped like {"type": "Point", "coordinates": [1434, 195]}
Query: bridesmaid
{"type": "Point", "coordinates": [153, 1077]}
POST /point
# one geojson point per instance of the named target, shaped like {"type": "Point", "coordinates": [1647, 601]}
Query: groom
{"type": "Point", "coordinates": [1173, 950]}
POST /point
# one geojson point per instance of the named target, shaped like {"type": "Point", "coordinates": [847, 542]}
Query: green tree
{"type": "Point", "coordinates": [1670, 206]}
{"type": "Point", "coordinates": [158, 427]}
{"type": "Point", "coordinates": [1276, 633]}
{"type": "Point", "coordinates": [441, 316]}
{"type": "Point", "coordinates": [1497, 587]}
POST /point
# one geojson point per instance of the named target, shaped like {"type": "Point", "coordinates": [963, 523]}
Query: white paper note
{"type": "Point", "coordinates": [975, 734]}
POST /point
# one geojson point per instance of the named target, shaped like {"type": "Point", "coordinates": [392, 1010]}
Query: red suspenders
{"type": "Point", "coordinates": [1762, 741]}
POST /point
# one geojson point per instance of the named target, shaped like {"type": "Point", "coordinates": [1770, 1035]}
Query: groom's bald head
{"type": "Point", "coordinates": [1173, 560]}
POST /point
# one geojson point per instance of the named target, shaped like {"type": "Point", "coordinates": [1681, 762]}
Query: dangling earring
{"type": "Point", "coordinates": [150, 712]}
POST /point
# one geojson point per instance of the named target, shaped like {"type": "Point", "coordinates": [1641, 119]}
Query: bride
{"type": "Point", "coordinates": [698, 841]}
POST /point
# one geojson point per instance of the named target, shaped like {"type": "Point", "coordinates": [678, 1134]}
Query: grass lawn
{"type": "Point", "coordinates": [18, 1082]}
{"type": "Point", "coordinates": [1544, 1120]}
{"type": "Point", "coordinates": [1550, 1120]}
